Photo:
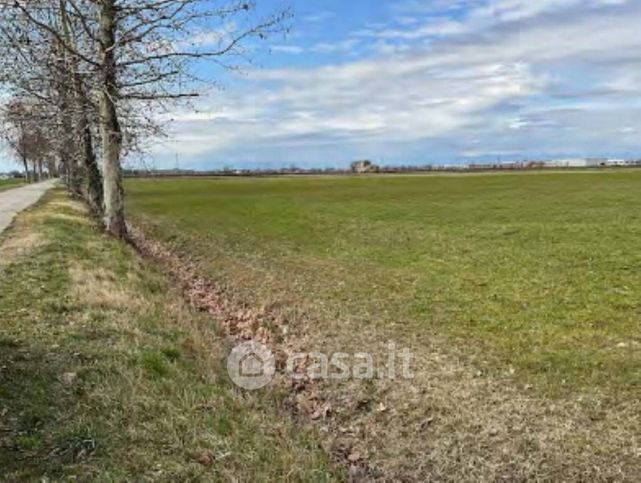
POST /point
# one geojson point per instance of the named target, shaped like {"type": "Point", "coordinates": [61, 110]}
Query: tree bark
{"type": "Point", "coordinates": [22, 149]}
{"type": "Point", "coordinates": [110, 131]}
{"type": "Point", "coordinates": [26, 169]}
{"type": "Point", "coordinates": [65, 129]}
{"type": "Point", "coordinates": [91, 179]}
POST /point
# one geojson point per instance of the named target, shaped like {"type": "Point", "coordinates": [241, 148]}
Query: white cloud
{"type": "Point", "coordinates": [288, 49]}
{"type": "Point", "coordinates": [344, 46]}
{"type": "Point", "coordinates": [351, 102]}
{"type": "Point", "coordinates": [318, 17]}
{"type": "Point", "coordinates": [485, 90]}
{"type": "Point", "coordinates": [480, 15]}
{"type": "Point", "coordinates": [211, 37]}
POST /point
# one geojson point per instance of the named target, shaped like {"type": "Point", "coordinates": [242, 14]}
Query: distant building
{"type": "Point", "coordinates": [618, 162]}
{"type": "Point", "coordinates": [575, 163]}
{"type": "Point", "coordinates": [4, 177]}
{"type": "Point", "coordinates": [364, 166]}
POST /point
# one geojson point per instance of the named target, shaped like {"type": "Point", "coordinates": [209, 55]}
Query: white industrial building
{"type": "Point", "coordinates": [618, 162]}
{"type": "Point", "coordinates": [575, 163]}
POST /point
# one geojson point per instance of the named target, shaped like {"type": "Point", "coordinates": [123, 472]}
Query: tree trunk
{"type": "Point", "coordinates": [52, 169]}
{"type": "Point", "coordinates": [92, 180]}
{"type": "Point", "coordinates": [65, 144]}
{"type": "Point", "coordinates": [86, 157]}
{"type": "Point", "coordinates": [110, 132]}
{"type": "Point", "coordinates": [34, 172]}
{"type": "Point", "coordinates": [22, 149]}
{"type": "Point", "coordinates": [26, 168]}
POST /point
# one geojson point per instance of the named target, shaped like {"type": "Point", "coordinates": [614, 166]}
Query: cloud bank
{"type": "Point", "coordinates": [432, 81]}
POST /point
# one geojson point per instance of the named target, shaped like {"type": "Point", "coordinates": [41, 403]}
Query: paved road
{"type": "Point", "coordinates": [15, 200]}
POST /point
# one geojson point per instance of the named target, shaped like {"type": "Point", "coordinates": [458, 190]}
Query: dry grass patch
{"type": "Point", "coordinates": [73, 205]}
{"type": "Point", "coordinates": [77, 219]}
{"type": "Point", "coordinates": [455, 422]}
{"type": "Point", "coordinates": [19, 241]}
{"type": "Point", "coordinates": [100, 288]}
{"type": "Point", "coordinates": [19, 244]}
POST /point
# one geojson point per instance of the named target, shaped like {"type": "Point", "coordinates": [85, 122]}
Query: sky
{"type": "Point", "coordinates": [423, 81]}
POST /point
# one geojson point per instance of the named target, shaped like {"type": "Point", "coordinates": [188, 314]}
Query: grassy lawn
{"type": "Point", "coordinates": [541, 272]}
{"type": "Point", "coordinates": [6, 184]}
{"type": "Point", "coordinates": [106, 375]}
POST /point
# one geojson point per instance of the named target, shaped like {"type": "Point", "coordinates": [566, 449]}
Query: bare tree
{"type": "Point", "coordinates": [120, 60]}
{"type": "Point", "coordinates": [13, 130]}
{"type": "Point", "coordinates": [25, 130]}
{"type": "Point", "coordinates": [147, 51]}
{"type": "Point", "coordinates": [33, 70]}
{"type": "Point", "coordinates": [77, 86]}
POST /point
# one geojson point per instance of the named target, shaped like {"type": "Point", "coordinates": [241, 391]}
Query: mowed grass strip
{"type": "Point", "coordinates": [538, 273]}
{"type": "Point", "coordinates": [105, 375]}
{"type": "Point", "coordinates": [6, 184]}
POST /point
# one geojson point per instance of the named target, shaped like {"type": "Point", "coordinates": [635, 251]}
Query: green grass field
{"type": "Point", "coordinates": [519, 296]}
{"type": "Point", "coordinates": [6, 184]}
{"type": "Point", "coordinates": [540, 270]}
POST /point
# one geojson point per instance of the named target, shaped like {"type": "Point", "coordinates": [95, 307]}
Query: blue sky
{"type": "Point", "coordinates": [424, 81]}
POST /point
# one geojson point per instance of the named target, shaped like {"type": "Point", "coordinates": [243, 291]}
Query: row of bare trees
{"type": "Point", "coordinates": [83, 81]}
{"type": "Point", "coordinates": [27, 136]}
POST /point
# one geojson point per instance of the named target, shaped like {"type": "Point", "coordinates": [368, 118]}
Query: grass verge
{"type": "Point", "coordinates": [6, 184]}
{"type": "Point", "coordinates": [105, 374]}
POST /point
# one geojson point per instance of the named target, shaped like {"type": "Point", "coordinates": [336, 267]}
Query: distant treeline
{"type": "Point", "coordinates": [295, 171]}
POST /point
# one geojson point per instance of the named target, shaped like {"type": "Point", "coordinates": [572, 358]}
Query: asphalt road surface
{"type": "Point", "coordinates": [13, 201]}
